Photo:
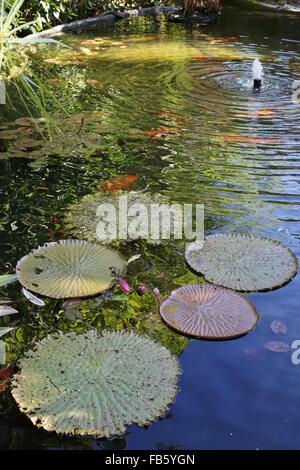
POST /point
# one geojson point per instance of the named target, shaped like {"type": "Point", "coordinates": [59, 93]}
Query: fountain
{"type": "Point", "coordinates": [257, 73]}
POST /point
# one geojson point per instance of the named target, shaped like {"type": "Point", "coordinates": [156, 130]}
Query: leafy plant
{"type": "Point", "coordinates": [192, 6]}
{"type": "Point", "coordinates": [15, 63]}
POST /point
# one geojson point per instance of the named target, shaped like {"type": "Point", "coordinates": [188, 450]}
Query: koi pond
{"type": "Point", "coordinates": [155, 107]}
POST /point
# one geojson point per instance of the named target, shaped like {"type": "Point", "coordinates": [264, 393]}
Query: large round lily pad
{"type": "Point", "coordinates": [95, 385]}
{"type": "Point", "coordinates": [208, 311]}
{"type": "Point", "coordinates": [69, 268]}
{"type": "Point", "coordinates": [243, 262]}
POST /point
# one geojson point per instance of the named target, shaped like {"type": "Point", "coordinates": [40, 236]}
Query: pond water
{"type": "Point", "coordinates": [178, 111]}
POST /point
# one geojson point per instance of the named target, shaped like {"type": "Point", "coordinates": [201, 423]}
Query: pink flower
{"type": "Point", "coordinates": [125, 287]}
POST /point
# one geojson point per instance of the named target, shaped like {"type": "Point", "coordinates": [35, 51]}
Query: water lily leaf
{"type": "Point", "coordinates": [6, 279]}
{"type": "Point", "coordinates": [27, 143]}
{"type": "Point", "coordinates": [278, 327]}
{"type": "Point", "coordinates": [243, 262]}
{"type": "Point", "coordinates": [4, 330]}
{"type": "Point", "coordinates": [208, 311]}
{"type": "Point", "coordinates": [7, 310]}
{"type": "Point", "coordinates": [277, 346]}
{"type": "Point", "coordinates": [32, 298]}
{"type": "Point", "coordinates": [69, 268]}
{"type": "Point", "coordinates": [95, 385]}
{"type": "Point", "coordinates": [9, 134]}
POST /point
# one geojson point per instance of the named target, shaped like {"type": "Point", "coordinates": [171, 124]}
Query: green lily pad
{"type": "Point", "coordinates": [243, 262]}
{"type": "Point", "coordinates": [95, 385]}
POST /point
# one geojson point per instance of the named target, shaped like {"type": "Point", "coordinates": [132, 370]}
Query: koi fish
{"type": "Point", "coordinates": [118, 184]}
{"type": "Point", "coordinates": [162, 131]}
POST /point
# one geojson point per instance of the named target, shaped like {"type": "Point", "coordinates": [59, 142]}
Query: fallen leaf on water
{"type": "Point", "coordinates": [6, 373]}
{"type": "Point", "coordinates": [278, 327]}
{"type": "Point", "coordinates": [277, 346]}
{"type": "Point", "coordinates": [32, 298]}
{"type": "Point", "coordinates": [7, 310]}
{"type": "Point", "coordinates": [118, 183]}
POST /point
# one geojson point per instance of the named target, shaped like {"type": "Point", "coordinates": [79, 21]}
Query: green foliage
{"type": "Point", "coordinates": [48, 13]}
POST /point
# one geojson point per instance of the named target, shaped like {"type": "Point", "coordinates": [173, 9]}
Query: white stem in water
{"type": "Point", "coordinates": [257, 70]}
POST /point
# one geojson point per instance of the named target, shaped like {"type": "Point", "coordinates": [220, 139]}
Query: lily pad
{"type": "Point", "coordinates": [210, 312]}
{"type": "Point", "coordinates": [243, 262]}
{"type": "Point", "coordinates": [69, 268]}
{"type": "Point", "coordinates": [95, 385]}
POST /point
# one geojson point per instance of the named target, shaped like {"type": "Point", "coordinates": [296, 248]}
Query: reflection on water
{"type": "Point", "coordinates": [179, 103]}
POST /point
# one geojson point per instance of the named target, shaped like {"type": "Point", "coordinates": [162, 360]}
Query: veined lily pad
{"type": "Point", "coordinates": [69, 268]}
{"type": "Point", "coordinates": [243, 262]}
{"type": "Point", "coordinates": [95, 385]}
{"type": "Point", "coordinates": [208, 311]}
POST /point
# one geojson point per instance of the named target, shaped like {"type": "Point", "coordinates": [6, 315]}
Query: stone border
{"type": "Point", "coordinates": [103, 18]}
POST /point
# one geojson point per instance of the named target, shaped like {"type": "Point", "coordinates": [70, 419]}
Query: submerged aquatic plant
{"type": "Point", "coordinates": [210, 312]}
{"type": "Point", "coordinates": [69, 268]}
{"type": "Point", "coordinates": [95, 385]}
{"type": "Point", "coordinates": [243, 262]}
{"type": "Point", "coordinates": [82, 220]}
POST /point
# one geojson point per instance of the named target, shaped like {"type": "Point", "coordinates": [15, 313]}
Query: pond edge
{"type": "Point", "coordinates": [103, 18]}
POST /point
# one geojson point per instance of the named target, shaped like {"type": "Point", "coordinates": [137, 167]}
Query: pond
{"type": "Point", "coordinates": [178, 111]}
